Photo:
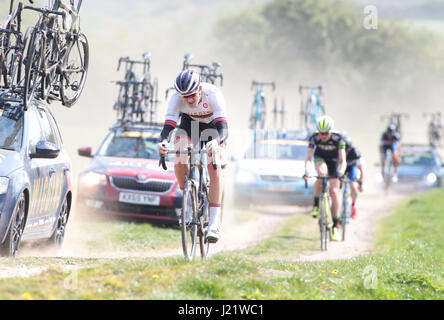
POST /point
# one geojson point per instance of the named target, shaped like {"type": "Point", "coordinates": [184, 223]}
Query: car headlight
{"type": "Point", "coordinates": [93, 179]}
{"type": "Point", "coordinates": [245, 177]}
{"type": "Point", "coordinates": [4, 183]}
{"type": "Point", "coordinates": [431, 178]}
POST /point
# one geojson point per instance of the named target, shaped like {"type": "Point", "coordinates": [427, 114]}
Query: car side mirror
{"type": "Point", "coordinates": [85, 152]}
{"type": "Point", "coordinates": [45, 150]}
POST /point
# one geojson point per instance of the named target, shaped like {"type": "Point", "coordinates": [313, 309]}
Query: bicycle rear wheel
{"type": "Point", "coordinates": [75, 69]}
{"type": "Point", "coordinates": [189, 232]}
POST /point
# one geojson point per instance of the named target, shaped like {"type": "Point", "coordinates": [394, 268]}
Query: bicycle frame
{"type": "Point", "coordinates": [324, 206]}
{"type": "Point", "coordinates": [198, 179]}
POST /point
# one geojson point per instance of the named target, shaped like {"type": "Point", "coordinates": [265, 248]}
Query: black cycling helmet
{"type": "Point", "coordinates": [187, 81]}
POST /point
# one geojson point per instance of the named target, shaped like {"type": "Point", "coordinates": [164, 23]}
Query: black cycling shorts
{"type": "Point", "coordinates": [332, 165]}
{"type": "Point", "coordinates": [197, 131]}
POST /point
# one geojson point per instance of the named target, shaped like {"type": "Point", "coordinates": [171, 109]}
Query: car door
{"type": "Point", "coordinates": [61, 180]}
{"type": "Point", "coordinates": [43, 173]}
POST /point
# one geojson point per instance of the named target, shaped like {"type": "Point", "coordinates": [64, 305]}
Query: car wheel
{"type": "Point", "coordinates": [10, 247]}
{"type": "Point", "coordinates": [59, 233]}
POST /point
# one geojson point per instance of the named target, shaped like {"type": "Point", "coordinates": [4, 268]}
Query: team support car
{"type": "Point", "coordinates": [272, 168]}
{"type": "Point", "coordinates": [35, 178]}
{"type": "Point", "coordinates": [124, 179]}
{"type": "Point", "coordinates": [422, 167]}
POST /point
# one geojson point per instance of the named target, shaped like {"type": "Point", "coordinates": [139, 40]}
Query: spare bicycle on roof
{"type": "Point", "coordinates": [312, 106]}
{"type": "Point", "coordinates": [208, 72]}
{"type": "Point", "coordinates": [137, 99]}
{"type": "Point", "coordinates": [54, 54]}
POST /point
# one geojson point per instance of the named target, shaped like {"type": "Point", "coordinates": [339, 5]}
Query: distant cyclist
{"type": "Point", "coordinates": [354, 163]}
{"type": "Point", "coordinates": [328, 149]}
{"type": "Point", "coordinates": [203, 118]}
{"type": "Point", "coordinates": [390, 140]}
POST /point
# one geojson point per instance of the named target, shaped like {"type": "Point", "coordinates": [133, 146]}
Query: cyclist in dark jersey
{"type": "Point", "coordinates": [354, 163]}
{"type": "Point", "coordinates": [328, 149]}
{"type": "Point", "coordinates": [390, 140]}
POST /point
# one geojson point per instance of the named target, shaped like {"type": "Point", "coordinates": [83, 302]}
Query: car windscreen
{"type": "Point", "coordinates": [11, 127]}
{"type": "Point", "coordinates": [278, 149]}
{"type": "Point", "coordinates": [131, 144]}
{"type": "Point", "coordinates": [418, 159]}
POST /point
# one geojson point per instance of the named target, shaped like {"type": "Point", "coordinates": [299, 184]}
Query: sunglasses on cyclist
{"type": "Point", "coordinates": [324, 134]}
{"type": "Point", "coordinates": [193, 95]}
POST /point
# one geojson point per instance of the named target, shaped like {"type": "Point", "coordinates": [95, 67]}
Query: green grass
{"type": "Point", "coordinates": [408, 265]}
{"type": "Point", "coordinates": [123, 236]}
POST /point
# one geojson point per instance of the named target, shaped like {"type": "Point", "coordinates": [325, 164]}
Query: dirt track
{"type": "Point", "coordinates": [261, 225]}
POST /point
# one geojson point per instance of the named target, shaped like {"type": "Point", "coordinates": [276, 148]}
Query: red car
{"type": "Point", "coordinates": [124, 178]}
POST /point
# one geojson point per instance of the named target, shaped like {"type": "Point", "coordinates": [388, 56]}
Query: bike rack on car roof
{"type": "Point", "coordinates": [295, 134]}
{"type": "Point", "coordinates": [128, 124]}
{"type": "Point", "coordinates": [10, 95]}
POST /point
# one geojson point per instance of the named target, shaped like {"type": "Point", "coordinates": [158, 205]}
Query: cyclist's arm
{"type": "Point", "coordinates": [309, 160]}
{"type": "Point", "coordinates": [360, 166]}
{"type": "Point", "coordinates": [171, 117]}
{"type": "Point", "coordinates": [217, 102]}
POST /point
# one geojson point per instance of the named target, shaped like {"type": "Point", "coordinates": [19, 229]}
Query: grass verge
{"type": "Point", "coordinates": [408, 265]}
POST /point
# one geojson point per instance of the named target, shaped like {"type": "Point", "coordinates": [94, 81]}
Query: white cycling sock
{"type": "Point", "coordinates": [213, 222]}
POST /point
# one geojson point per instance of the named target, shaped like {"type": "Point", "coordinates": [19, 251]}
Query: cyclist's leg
{"type": "Point", "coordinates": [322, 170]}
{"type": "Point", "coordinates": [181, 142]}
{"type": "Point", "coordinates": [383, 154]}
{"type": "Point", "coordinates": [332, 165]}
{"type": "Point", "coordinates": [352, 175]}
{"type": "Point", "coordinates": [207, 133]}
{"type": "Point", "coordinates": [396, 152]}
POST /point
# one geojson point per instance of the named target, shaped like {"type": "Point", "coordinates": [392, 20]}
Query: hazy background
{"type": "Point", "coordinates": [365, 73]}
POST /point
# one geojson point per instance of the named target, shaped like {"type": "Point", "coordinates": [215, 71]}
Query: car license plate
{"type": "Point", "coordinates": [137, 198]}
{"type": "Point", "coordinates": [281, 188]}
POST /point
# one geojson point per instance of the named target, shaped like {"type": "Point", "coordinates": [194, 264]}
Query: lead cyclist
{"type": "Point", "coordinates": [201, 107]}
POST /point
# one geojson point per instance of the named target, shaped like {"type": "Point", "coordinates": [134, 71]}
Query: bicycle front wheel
{"type": "Point", "coordinates": [205, 246]}
{"type": "Point", "coordinates": [323, 224]}
{"type": "Point", "coordinates": [189, 230]}
{"type": "Point", "coordinates": [75, 69]}
{"type": "Point", "coordinates": [33, 67]}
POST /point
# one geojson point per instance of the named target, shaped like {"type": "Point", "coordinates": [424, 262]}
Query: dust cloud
{"type": "Point", "coordinates": [169, 29]}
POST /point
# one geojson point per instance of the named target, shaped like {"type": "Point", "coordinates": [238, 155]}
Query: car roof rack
{"type": "Point", "coordinates": [11, 95]}
{"type": "Point", "coordinates": [291, 134]}
{"type": "Point", "coordinates": [130, 125]}
{"type": "Point", "coordinates": [416, 145]}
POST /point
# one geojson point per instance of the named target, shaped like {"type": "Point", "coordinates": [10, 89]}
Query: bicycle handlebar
{"type": "Point", "coordinates": [146, 60]}
{"type": "Point", "coordinates": [301, 88]}
{"type": "Point", "coordinates": [45, 11]}
{"type": "Point", "coordinates": [189, 152]}
{"type": "Point", "coordinates": [342, 179]}
{"type": "Point", "coordinates": [257, 83]}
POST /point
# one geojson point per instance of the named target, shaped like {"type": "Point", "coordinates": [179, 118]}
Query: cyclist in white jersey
{"type": "Point", "coordinates": [202, 112]}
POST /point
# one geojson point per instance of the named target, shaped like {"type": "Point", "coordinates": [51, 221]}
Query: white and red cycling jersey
{"type": "Point", "coordinates": [211, 107]}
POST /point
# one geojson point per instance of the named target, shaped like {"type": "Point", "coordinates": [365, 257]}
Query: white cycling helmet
{"type": "Point", "coordinates": [325, 124]}
{"type": "Point", "coordinates": [187, 82]}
